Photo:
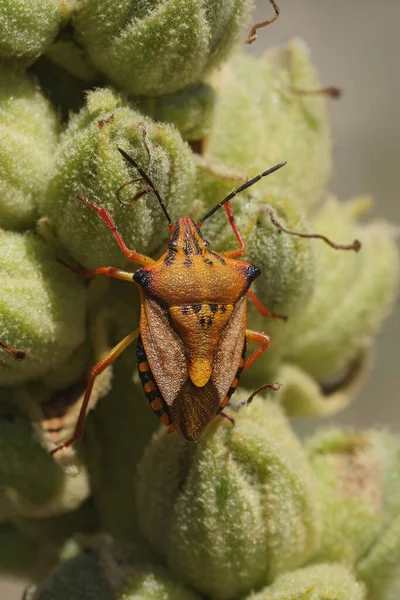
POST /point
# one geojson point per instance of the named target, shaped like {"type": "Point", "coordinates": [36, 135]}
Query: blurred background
{"type": "Point", "coordinates": [355, 45]}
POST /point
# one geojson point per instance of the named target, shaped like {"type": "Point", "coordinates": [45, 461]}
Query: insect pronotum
{"type": "Point", "coordinates": [191, 342]}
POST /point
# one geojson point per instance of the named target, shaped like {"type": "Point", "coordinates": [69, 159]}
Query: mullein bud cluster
{"type": "Point", "coordinates": [131, 513]}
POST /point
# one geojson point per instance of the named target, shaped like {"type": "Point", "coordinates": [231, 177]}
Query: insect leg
{"type": "Point", "coordinates": [17, 354]}
{"type": "Point", "coordinates": [142, 259]}
{"type": "Point", "coordinates": [261, 338]}
{"type": "Point", "coordinates": [107, 360]}
{"type": "Point", "coordinates": [240, 251]}
{"type": "Point", "coordinates": [267, 386]}
{"type": "Point", "coordinates": [355, 245]}
{"type": "Point", "coordinates": [253, 32]}
{"type": "Point", "coordinates": [109, 271]}
{"type": "Point", "coordinates": [330, 91]}
{"type": "Point", "coordinates": [263, 309]}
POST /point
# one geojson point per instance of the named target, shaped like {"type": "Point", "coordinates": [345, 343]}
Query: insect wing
{"type": "Point", "coordinates": [229, 352]}
{"type": "Point", "coordinates": [164, 350]}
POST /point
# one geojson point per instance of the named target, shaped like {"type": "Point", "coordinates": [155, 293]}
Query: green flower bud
{"type": "Point", "coordinates": [319, 582]}
{"type": "Point", "coordinates": [152, 583]}
{"type": "Point", "coordinates": [154, 48]}
{"type": "Point", "coordinates": [354, 293]}
{"type": "Point", "coordinates": [26, 469]}
{"type": "Point", "coordinates": [42, 308]}
{"type": "Point", "coordinates": [233, 511]}
{"type": "Point", "coordinates": [261, 120]}
{"type": "Point", "coordinates": [89, 163]}
{"type": "Point", "coordinates": [191, 110]}
{"type": "Point", "coordinates": [28, 136]}
{"type": "Point", "coordinates": [27, 28]}
{"type": "Point", "coordinates": [380, 567]}
{"type": "Point", "coordinates": [302, 396]}
{"type": "Point", "coordinates": [356, 474]}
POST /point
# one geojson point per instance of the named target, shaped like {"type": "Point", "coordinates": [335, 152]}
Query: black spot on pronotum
{"type": "Point", "coordinates": [213, 308]}
{"type": "Point", "coordinates": [143, 278]}
{"type": "Point", "coordinates": [197, 308]}
{"type": "Point", "coordinates": [210, 321]}
{"type": "Point", "coordinates": [202, 321]}
{"type": "Point", "coordinates": [252, 272]}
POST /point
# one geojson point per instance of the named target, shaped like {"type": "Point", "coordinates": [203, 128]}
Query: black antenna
{"type": "Point", "coordinates": [147, 180]}
{"type": "Point", "coordinates": [241, 189]}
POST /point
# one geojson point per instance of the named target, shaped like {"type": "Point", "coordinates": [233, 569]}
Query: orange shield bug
{"type": "Point", "coordinates": [191, 342]}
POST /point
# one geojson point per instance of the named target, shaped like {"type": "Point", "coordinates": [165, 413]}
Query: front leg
{"type": "Point", "coordinates": [108, 271]}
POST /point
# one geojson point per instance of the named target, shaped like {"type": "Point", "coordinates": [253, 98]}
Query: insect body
{"type": "Point", "coordinates": [192, 337]}
{"type": "Point", "coordinates": [192, 330]}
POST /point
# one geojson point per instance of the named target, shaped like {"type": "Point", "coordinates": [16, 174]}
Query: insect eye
{"type": "Point", "coordinates": [173, 244]}
{"type": "Point", "coordinates": [206, 243]}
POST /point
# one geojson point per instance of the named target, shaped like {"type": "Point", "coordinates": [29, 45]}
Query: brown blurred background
{"type": "Point", "coordinates": [355, 45]}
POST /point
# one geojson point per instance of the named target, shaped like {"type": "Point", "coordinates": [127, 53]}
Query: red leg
{"type": "Point", "coordinates": [267, 386]}
{"type": "Point", "coordinates": [261, 338]}
{"type": "Point", "coordinates": [227, 417]}
{"type": "Point", "coordinates": [17, 354]}
{"type": "Point", "coordinates": [109, 271]}
{"type": "Point", "coordinates": [263, 309]}
{"type": "Point", "coordinates": [103, 214]}
{"type": "Point", "coordinates": [234, 253]}
{"type": "Point", "coordinates": [97, 369]}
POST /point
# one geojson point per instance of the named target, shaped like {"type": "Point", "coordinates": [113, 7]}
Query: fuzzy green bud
{"type": "Point", "coordinates": [233, 511]}
{"type": "Point", "coordinates": [379, 568]}
{"type": "Point", "coordinates": [153, 583]}
{"type": "Point", "coordinates": [190, 110]}
{"type": "Point", "coordinates": [89, 164]}
{"type": "Point", "coordinates": [357, 478]}
{"type": "Point", "coordinates": [354, 292]}
{"type": "Point", "coordinates": [319, 582]}
{"type": "Point", "coordinates": [260, 120]}
{"type": "Point", "coordinates": [26, 468]}
{"type": "Point", "coordinates": [303, 396]}
{"type": "Point", "coordinates": [28, 27]}
{"type": "Point", "coordinates": [28, 137]}
{"type": "Point", "coordinates": [152, 47]}
{"type": "Point", "coordinates": [42, 308]}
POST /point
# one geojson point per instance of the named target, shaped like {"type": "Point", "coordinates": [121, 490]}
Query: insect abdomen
{"type": "Point", "coordinates": [150, 387]}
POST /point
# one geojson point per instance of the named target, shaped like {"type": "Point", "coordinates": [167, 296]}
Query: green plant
{"type": "Point", "coordinates": [131, 513]}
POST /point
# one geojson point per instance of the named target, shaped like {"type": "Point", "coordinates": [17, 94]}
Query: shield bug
{"type": "Point", "coordinates": [191, 342]}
